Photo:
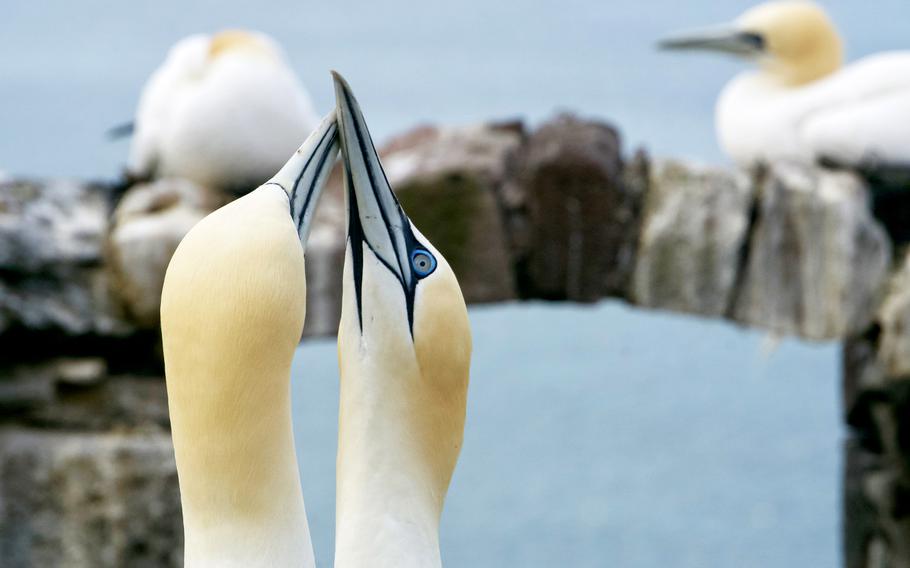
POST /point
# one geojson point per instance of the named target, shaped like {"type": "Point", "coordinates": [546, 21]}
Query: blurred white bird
{"type": "Point", "coordinates": [224, 111]}
{"type": "Point", "coordinates": [801, 104]}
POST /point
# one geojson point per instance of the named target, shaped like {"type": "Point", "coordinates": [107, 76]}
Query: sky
{"type": "Point", "coordinates": [69, 71]}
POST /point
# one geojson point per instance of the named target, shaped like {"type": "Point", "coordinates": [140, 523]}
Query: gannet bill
{"type": "Point", "coordinates": [223, 111]}
{"type": "Point", "coordinates": [801, 104]}
{"type": "Point", "coordinates": [404, 349]}
{"type": "Point", "coordinates": [232, 313]}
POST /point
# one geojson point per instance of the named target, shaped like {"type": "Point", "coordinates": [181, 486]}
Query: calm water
{"type": "Point", "coordinates": [583, 448]}
{"type": "Point", "coordinates": [596, 436]}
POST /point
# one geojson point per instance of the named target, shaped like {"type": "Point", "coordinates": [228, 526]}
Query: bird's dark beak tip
{"type": "Point", "coordinates": [340, 82]}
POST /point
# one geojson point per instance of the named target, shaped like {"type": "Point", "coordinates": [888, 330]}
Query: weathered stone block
{"type": "Point", "coordinates": [88, 500]}
{"type": "Point", "coordinates": [877, 399]}
{"type": "Point", "coordinates": [48, 226]}
{"type": "Point", "coordinates": [894, 320]}
{"type": "Point", "coordinates": [695, 222]}
{"type": "Point", "coordinates": [25, 388]}
{"type": "Point", "coordinates": [576, 227]}
{"type": "Point", "coordinates": [116, 403]}
{"type": "Point", "coordinates": [51, 238]}
{"type": "Point", "coordinates": [69, 394]}
{"type": "Point", "coordinates": [817, 259]}
{"type": "Point", "coordinates": [873, 492]}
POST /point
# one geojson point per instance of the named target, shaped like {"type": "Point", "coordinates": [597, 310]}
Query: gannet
{"type": "Point", "coordinates": [232, 312]}
{"type": "Point", "coordinates": [404, 348]}
{"type": "Point", "coordinates": [223, 111]}
{"type": "Point", "coordinates": [800, 104]}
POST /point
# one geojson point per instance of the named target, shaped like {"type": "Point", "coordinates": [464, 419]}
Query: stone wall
{"type": "Point", "coordinates": [559, 213]}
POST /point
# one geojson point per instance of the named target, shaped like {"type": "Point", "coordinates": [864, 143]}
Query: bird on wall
{"type": "Point", "coordinates": [404, 350]}
{"type": "Point", "coordinates": [232, 314]}
{"type": "Point", "coordinates": [223, 111]}
{"type": "Point", "coordinates": [801, 103]}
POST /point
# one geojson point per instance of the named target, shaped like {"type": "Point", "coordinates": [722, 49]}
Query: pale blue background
{"type": "Point", "coordinates": [596, 436]}
{"type": "Point", "coordinates": [607, 436]}
{"type": "Point", "coordinates": [69, 70]}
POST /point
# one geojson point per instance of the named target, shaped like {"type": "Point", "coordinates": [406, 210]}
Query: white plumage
{"type": "Point", "coordinates": [224, 111]}
{"type": "Point", "coordinates": [801, 104]}
{"type": "Point", "coordinates": [856, 116]}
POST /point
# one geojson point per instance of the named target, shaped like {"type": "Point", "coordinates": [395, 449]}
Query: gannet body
{"type": "Point", "coordinates": [404, 348]}
{"type": "Point", "coordinates": [223, 111]}
{"type": "Point", "coordinates": [232, 313]}
{"type": "Point", "coordinates": [801, 105]}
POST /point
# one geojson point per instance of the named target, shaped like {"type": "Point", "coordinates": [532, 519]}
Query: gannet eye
{"type": "Point", "coordinates": [754, 40]}
{"type": "Point", "coordinates": [423, 262]}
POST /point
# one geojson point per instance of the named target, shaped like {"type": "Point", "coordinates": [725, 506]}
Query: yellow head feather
{"type": "Point", "coordinates": [236, 40]}
{"type": "Point", "coordinates": [801, 42]}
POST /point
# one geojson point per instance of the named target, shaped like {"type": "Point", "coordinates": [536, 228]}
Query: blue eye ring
{"type": "Point", "coordinates": [423, 262]}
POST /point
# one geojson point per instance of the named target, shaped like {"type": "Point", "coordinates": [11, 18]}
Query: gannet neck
{"type": "Point", "coordinates": [401, 418]}
{"type": "Point", "coordinates": [388, 499]}
{"type": "Point", "coordinates": [232, 312]}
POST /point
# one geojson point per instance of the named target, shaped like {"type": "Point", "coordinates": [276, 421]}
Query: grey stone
{"type": "Point", "coordinates": [47, 226]}
{"type": "Point", "coordinates": [51, 240]}
{"type": "Point", "coordinates": [115, 403]}
{"type": "Point", "coordinates": [894, 319]}
{"type": "Point", "coordinates": [88, 500]}
{"type": "Point", "coordinates": [695, 223]}
{"type": "Point", "coordinates": [26, 387]}
{"type": "Point", "coordinates": [69, 394]}
{"type": "Point", "coordinates": [873, 537]}
{"type": "Point", "coordinates": [573, 219]}
{"type": "Point", "coordinates": [817, 260]}
{"type": "Point", "coordinates": [71, 301]}
{"type": "Point", "coordinates": [877, 398]}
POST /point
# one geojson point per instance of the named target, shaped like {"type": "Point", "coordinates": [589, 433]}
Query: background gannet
{"type": "Point", "coordinates": [404, 349]}
{"type": "Point", "coordinates": [801, 105]}
{"type": "Point", "coordinates": [232, 312]}
{"type": "Point", "coordinates": [224, 111]}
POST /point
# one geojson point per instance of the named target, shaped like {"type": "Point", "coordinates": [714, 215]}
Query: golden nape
{"type": "Point", "coordinates": [232, 313]}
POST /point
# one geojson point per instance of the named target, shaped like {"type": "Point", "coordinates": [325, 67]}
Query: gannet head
{"type": "Point", "coordinates": [404, 339]}
{"type": "Point", "coordinates": [793, 40]}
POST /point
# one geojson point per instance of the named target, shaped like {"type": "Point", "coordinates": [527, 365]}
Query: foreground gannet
{"type": "Point", "coordinates": [232, 312]}
{"type": "Point", "coordinates": [223, 111]}
{"type": "Point", "coordinates": [404, 348]}
{"type": "Point", "coordinates": [800, 104]}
